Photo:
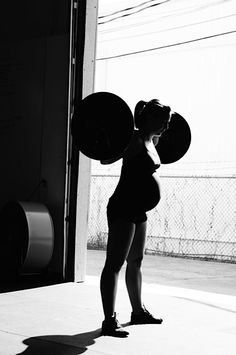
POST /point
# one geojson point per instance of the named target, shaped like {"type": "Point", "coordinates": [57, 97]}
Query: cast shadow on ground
{"type": "Point", "coordinates": [61, 344]}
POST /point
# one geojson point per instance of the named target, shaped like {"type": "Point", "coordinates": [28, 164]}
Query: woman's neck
{"type": "Point", "coordinates": [147, 136]}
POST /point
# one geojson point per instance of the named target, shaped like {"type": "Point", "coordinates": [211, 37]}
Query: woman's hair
{"type": "Point", "coordinates": [153, 107]}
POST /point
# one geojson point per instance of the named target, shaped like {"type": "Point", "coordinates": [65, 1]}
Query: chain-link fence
{"type": "Point", "coordinates": [196, 217]}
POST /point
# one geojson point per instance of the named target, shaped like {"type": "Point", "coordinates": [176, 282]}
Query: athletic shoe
{"type": "Point", "coordinates": [144, 317]}
{"type": "Point", "coordinates": [113, 328]}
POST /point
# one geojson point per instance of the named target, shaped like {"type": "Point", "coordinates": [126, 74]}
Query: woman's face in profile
{"type": "Point", "coordinates": [158, 124]}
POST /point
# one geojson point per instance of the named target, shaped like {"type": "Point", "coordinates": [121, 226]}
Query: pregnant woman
{"type": "Point", "coordinates": [137, 192]}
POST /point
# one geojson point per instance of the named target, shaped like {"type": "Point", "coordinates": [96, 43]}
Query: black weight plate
{"type": "Point", "coordinates": [175, 141]}
{"type": "Point", "coordinates": [102, 126]}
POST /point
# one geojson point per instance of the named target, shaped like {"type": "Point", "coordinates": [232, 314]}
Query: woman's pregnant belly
{"type": "Point", "coordinates": [150, 192]}
{"type": "Point", "coordinates": [139, 194]}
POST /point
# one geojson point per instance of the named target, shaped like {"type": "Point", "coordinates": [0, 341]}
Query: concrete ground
{"type": "Point", "coordinates": [65, 319]}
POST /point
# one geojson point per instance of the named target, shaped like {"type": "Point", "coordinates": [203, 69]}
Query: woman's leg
{"type": "Point", "coordinates": [133, 270]}
{"type": "Point", "coordinates": [134, 278]}
{"type": "Point", "coordinates": [120, 237]}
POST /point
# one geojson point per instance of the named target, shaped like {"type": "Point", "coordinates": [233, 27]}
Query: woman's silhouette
{"type": "Point", "coordinates": [137, 192]}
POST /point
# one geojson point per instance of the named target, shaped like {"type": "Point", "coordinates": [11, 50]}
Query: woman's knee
{"type": "Point", "coordinates": [113, 266]}
{"type": "Point", "coordinates": [135, 261]}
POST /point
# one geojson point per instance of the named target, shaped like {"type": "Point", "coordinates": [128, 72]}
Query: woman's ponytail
{"type": "Point", "coordinates": [138, 113]}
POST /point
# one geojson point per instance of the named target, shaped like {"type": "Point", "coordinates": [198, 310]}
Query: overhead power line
{"type": "Point", "coordinates": [172, 28]}
{"type": "Point", "coordinates": [202, 6]}
{"type": "Point", "coordinates": [168, 45]}
{"type": "Point", "coordinates": [127, 9]}
{"type": "Point", "coordinates": [129, 13]}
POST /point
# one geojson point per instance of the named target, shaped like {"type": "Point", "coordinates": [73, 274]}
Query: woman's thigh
{"type": "Point", "coordinates": [136, 251]}
{"type": "Point", "coordinates": [120, 237]}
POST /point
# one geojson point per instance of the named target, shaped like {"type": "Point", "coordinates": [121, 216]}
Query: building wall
{"type": "Point", "coordinates": [34, 62]}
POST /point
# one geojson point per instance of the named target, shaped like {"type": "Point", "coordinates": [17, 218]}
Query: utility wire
{"type": "Point", "coordinates": [173, 28]}
{"type": "Point", "coordinates": [182, 11]}
{"type": "Point", "coordinates": [129, 8]}
{"type": "Point", "coordinates": [132, 13]}
{"type": "Point", "coordinates": [148, 7]}
{"type": "Point", "coordinates": [168, 45]}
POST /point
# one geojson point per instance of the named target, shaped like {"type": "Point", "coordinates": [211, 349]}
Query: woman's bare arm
{"type": "Point", "coordinates": [155, 140]}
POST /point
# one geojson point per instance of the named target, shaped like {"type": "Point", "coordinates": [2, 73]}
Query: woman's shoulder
{"type": "Point", "coordinates": [135, 146]}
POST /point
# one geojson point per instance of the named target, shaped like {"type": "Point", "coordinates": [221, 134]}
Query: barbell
{"type": "Point", "coordinates": [103, 125]}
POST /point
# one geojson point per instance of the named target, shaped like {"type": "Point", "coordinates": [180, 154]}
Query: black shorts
{"type": "Point", "coordinates": [116, 210]}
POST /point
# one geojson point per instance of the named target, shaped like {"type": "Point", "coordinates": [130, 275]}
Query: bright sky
{"type": "Point", "coordinates": [184, 53]}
